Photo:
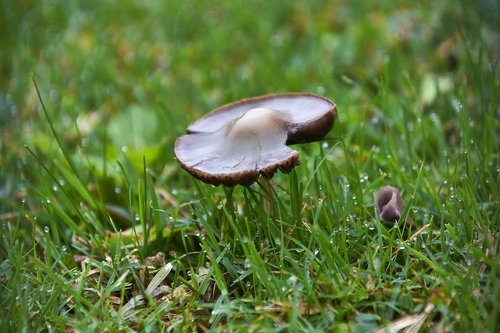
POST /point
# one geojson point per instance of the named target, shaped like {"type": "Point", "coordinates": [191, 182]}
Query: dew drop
{"type": "Point", "coordinates": [247, 263]}
{"type": "Point", "coordinates": [123, 148]}
{"type": "Point", "coordinates": [46, 229]}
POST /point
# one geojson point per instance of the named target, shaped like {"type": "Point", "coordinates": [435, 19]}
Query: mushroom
{"type": "Point", "coordinates": [237, 142]}
{"type": "Point", "coordinates": [390, 205]}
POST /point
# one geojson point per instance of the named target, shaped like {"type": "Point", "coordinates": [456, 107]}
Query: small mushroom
{"type": "Point", "coordinates": [390, 205]}
{"type": "Point", "coordinates": [237, 142]}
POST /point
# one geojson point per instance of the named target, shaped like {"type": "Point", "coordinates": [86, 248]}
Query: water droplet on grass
{"type": "Point", "coordinates": [247, 263]}
{"type": "Point", "coordinates": [46, 229]}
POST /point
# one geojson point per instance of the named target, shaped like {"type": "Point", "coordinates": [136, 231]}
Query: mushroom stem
{"type": "Point", "coordinates": [269, 195]}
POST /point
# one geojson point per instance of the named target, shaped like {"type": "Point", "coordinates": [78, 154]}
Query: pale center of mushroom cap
{"type": "Point", "coordinates": [257, 122]}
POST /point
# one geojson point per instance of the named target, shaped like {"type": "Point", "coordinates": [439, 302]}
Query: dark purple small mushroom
{"type": "Point", "coordinates": [389, 203]}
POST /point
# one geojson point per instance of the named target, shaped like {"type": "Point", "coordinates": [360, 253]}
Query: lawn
{"type": "Point", "coordinates": [102, 230]}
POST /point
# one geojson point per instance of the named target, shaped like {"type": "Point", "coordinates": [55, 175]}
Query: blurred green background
{"type": "Point", "coordinates": [416, 84]}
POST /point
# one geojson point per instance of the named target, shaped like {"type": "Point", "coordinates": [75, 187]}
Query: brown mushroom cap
{"type": "Point", "coordinates": [237, 142]}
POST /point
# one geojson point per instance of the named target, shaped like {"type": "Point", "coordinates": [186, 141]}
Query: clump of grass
{"type": "Point", "coordinates": [100, 229]}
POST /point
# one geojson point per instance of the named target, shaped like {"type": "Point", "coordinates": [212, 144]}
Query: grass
{"type": "Point", "coordinates": [102, 230]}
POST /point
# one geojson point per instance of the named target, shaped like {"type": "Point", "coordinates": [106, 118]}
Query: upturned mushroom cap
{"type": "Point", "coordinates": [237, 142]}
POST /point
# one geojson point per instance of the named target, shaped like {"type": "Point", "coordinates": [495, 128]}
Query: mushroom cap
{"type": "Point", "coordinates": [389, 204]}
{"type": "Point", "coordinates": [237, 142]}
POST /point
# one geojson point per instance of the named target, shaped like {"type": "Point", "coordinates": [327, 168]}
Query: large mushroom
{"type": "Point", "coordinates": [237, 142]}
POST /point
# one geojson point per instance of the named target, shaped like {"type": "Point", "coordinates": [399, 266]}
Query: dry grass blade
{"type": "Point", "coordinates": [158, 278]}
{"type": "Point", "coordinates": [410, 324]}
{"type": "Point", "coordinates": [153, 285]}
